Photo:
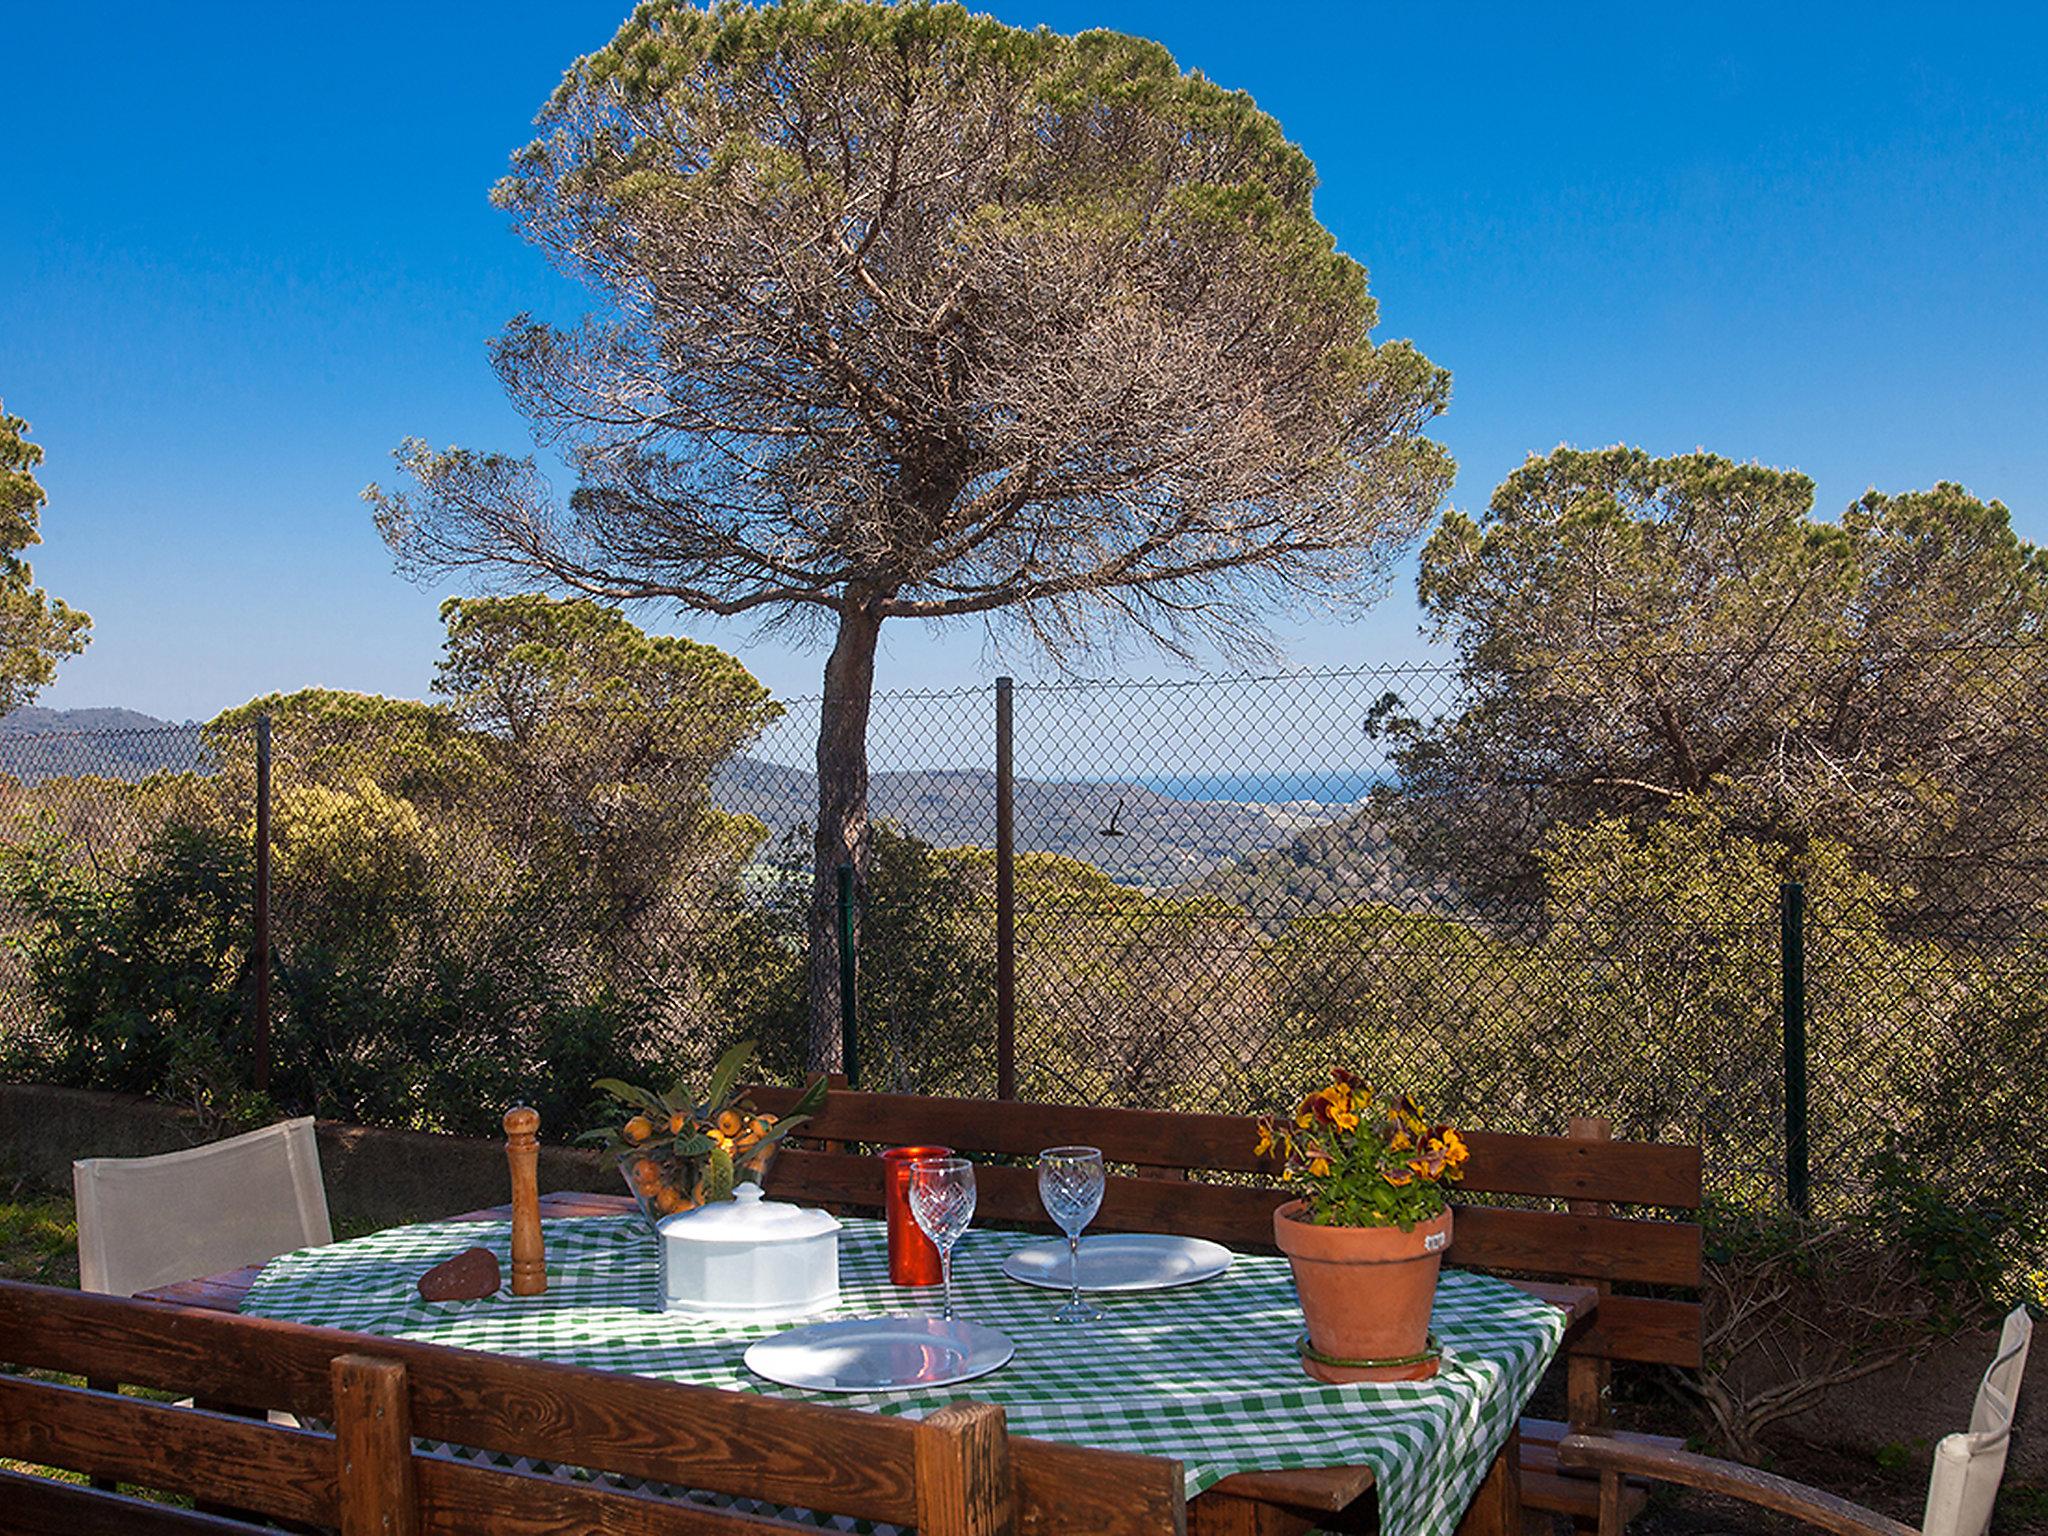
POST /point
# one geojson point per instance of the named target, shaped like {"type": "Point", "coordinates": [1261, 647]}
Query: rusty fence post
{"type": "Point", "coordinates": [260, 1044]}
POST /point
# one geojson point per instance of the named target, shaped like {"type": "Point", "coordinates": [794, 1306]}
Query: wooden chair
{"type": "Point", "coordinates": [1195, 1174]}
{"type": "Point", "coordinates": [147, 1221]}
{"type": "Point", "coordinates": [956, 1473]}
{"type": "Point", "coordinates": [1960, 1492]}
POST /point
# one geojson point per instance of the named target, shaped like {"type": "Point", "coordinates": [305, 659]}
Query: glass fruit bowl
{"type": "Point", "coordinates": [664, 1182]}
{"type": "Point", "coordinates": [680, 1151]}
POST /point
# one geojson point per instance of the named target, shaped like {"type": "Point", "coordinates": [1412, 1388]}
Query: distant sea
{"type": "Point", "coordinates": [1269, 788]}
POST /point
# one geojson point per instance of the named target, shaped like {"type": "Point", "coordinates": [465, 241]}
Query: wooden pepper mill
{"type": "Point", "coordinates": [522, 1151]}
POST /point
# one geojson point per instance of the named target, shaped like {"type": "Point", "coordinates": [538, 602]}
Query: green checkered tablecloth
{"type": "Point", "coordinates": [1206, 1374]}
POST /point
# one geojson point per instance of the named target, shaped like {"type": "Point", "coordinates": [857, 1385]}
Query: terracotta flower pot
{"type": "Point", "coordinates": [1366, 1293]}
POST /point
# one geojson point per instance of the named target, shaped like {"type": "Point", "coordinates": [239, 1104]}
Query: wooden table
{"type": "Point", "coordinates": [1280, 1503]}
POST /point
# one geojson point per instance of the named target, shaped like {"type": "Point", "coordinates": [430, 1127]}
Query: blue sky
{"type": "Point", "coordinates": [248, 249]}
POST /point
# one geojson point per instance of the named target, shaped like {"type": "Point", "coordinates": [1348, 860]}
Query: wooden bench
{"type": "Point", "coordinates": [957, 1473]}
{"type": "Point", "coordinates": [1196, 1174]}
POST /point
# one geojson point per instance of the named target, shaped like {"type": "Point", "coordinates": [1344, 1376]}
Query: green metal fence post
{"type": "Point", "coordinates": [1006, 890]}
{"type": "Point", "coordinates": [849, 1056]}
{"type": "Point", "coordinates": [1792, 953]}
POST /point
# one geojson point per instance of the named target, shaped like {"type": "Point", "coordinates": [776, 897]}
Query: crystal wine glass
{"type": "Point", "coordinates": [942, 1200]}
{"type": "Point", "coordinates": [1070, 1184]}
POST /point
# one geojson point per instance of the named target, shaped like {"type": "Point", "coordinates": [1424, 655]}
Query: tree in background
{"type": "Point", "coordinates": [910, 314]}
{"type": "Point", "coordinates": [524, 882]}
{"type": "Point", "coordinates": [1633, 631]}
{"type": "Point", "coordinates": [36, 630]}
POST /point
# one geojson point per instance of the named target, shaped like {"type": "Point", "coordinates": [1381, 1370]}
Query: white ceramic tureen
{"type": "Point", "coordinates": [750, 1260]}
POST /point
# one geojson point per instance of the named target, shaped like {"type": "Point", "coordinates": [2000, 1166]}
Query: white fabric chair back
{"type": "Point", "coordinates": [148, 1221]}
{"type": "Point", "coordinates": [1968, 1467]}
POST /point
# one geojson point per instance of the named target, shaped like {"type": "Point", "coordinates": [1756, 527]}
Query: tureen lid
{"type": "Point", "coordinates": [747, 1218]}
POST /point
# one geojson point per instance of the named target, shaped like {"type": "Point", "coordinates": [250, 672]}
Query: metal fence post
{"type": "Point", "coordinates": [1792, 952]}
{"type": "Point", "coordinates": [1006, 892]}
{"type": "Point", "coordinates": [849, 968]}
{"type": "Point", "coordinates": [261, 1041]}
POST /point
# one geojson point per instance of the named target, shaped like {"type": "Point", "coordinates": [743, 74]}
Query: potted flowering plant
{"type": "Point", "coordinates": [1368, 1233]}
{"type": "Point", "coordinates": [680, 1150]}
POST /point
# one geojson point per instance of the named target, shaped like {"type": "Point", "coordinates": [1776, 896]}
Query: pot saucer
{"type": "Point", "coordinates": [1328, 1368]}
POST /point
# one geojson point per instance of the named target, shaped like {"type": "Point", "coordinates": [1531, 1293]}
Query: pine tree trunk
{"type": "Point", "coordinates": [842, 828]}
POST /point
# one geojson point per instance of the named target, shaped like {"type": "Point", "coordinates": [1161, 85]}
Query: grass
{"type": "Point", "coordinates": [38, 1237]}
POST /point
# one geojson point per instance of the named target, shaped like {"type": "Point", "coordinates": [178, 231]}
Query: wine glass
{"type": "Point", "coordinates": [942, 1200]}
{"type": "Point", "coordinates": [1070, 1184]}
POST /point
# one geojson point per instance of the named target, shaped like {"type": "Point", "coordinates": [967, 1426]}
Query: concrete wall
{"type": "Point", "coordinates": [375, 1177]}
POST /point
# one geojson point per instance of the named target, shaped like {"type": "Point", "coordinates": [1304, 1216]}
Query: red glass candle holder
{"type": "Point", "coordinates": [912, 1258]}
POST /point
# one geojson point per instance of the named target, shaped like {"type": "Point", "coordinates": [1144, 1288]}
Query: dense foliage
{"type": "Point", "coordinates": [500, 895]}
{"type": "Point", "coordinates": [36, 630]}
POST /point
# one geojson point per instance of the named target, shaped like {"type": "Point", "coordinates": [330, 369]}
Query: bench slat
{"type": "Point", "coordinates": [1626, 1172]}
{"type": "Point", "coordinates": [786, 1452]}
{"type": "Point", "coordinates": [264, 1467]}
{"type": "Point", "coordinates": [1485, 1237]}
{"type": "Point", "coordinates": [1648, 1330]}
{"type": "Point", "coordinates": [39, 1506]}
{"type": "Point", "coordinates": [465, 1499]}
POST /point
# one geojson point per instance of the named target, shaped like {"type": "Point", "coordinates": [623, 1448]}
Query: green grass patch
{"type": "Point", "coordinates": [38, 1238]}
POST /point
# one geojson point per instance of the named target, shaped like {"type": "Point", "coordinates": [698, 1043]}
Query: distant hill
{"type": "Point", "coordinates": [1133, 833]}
{"type": "Point", "coordinates": [38, 743]}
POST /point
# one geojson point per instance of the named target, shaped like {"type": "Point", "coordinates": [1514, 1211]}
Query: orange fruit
{"type": "Point", "coordinates": [639, 1128]}
{"type": "Point", "coordinates": [729, 1122]}
{"type": "Point", "coordinates": [670, 1201]}
{"type": "Point", "coordinates": [646, 1175]}
{"type": "Point", "coordinates": [676, 1122]}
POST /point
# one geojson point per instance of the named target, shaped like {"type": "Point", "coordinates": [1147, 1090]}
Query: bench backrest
{"type": "Point", "coordinates": [956, 1473]}
{"type": "Point", "coordinates": [1196, 1174]}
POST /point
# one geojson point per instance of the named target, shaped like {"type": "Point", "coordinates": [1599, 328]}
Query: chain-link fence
{"type": "Point", "coordinates": [1526, 894]}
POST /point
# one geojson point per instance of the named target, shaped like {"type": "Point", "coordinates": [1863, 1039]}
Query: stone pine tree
{"type": "Point", "coordinates": [905, 313]}
{"type": "Point", "coordinates": [36, 630]}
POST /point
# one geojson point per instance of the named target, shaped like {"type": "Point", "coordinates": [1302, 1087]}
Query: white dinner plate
{"type": "Point", "coordinates": [879, 1354]}
{"type": "Point", "coordinates": [1121, 1261]}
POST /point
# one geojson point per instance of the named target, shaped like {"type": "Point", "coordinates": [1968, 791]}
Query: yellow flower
{"type": "Point", "coordinates": [1346, 1121]}
{"type": "Point", "coordinates": [1305, 1119]}
{"type": "Point", "coordinates": [1401, 1142]}
{"type": "Point", "coordinates": [1319, 1168]}
{"type": "Point", "coordinates": [1399, 1178]}
{"type": "Point", "coordinates": [1265, 1140]}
